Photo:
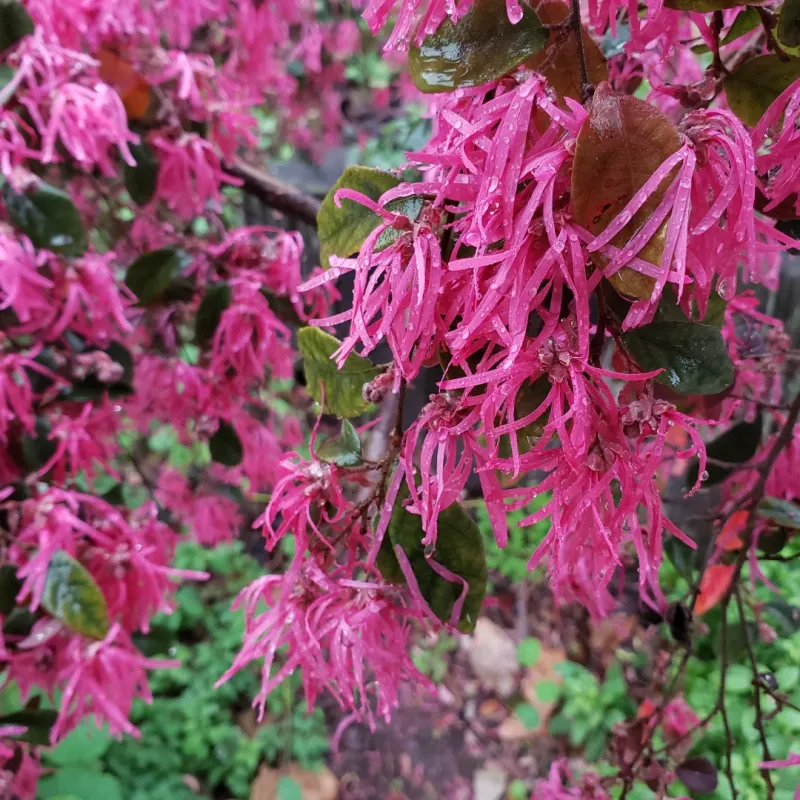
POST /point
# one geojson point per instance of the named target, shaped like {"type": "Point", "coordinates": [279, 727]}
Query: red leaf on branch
{"type": "Point", "coordinates": [715, 583]}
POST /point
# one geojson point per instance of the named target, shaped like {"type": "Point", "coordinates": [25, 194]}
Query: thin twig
{"type": "Point", "coordinates": [768, 22]}
{"type": "Point", "coordinates": [587, 89]}
{"type": "Point", "coordinates": [274, 193]}
{"type": "Point", "coordinates": [759, 723]}
{"type": "Point", "coordinates": [721, 702]}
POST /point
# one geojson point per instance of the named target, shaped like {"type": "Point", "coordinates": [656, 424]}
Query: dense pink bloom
{"type": "Point", "coordinates": [777, 144]}
{"type": "Point", "coordinates": [93, 303]}
{"type": "Point", "coordinates": [249, 336]}
{"type": "Point", "coordinates": [346, 633]}
{"type": "Point", "coordinates": [190, 174]}
{"type": "Point", "coordinates": [102, 679]}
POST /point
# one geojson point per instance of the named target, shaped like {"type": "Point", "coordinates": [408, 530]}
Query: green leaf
{"type": "Point", "coordinates": [215, 301]}
{"type": "Point", "coordinates": [789, 23]}
{"type": "Point", "coordinates": [152, 273]}
{"type": "Point", "coordinates": [71, 595]}
{"type": "Point", "coordinates": [38, 449]}
{"type": "Point", "coordinates": [482, 46]}
{"type": "Point", "coordinates": [38, 721]}
{"type": "Point", "coordinates": [755, 84]}
{"type": "Point", "coordinates": [459, 548]}
{"type": "Point", "coordinates": [48, 217]}
{"type": "Point", "coordinates": [289, 789]}
{"type": "Point", "coordinates": [737, 445]}
{"type": "Point", "coordinates": [547, 691]}
{"type": "Point", "coordinates": [15, 22]}
{"type": "Point", "coordinates": [780, 512]}
{"type": "Point", "coordinates": [595, 745]}
{"type": "Point", "coordinates": [342, 230]}
{"type": "Point", "coordinates": [343, 450]}
{"type": "Point", "coordinates": [10, 585]}
{"type": "Point", "coordinates": [528, 716]}
{"type": "Point", "coordinates": [343, 388]}
{"type": "Point", "coordinates": [669, 311]}
{"type": "Point", "coordinates": [528, 651]}
{"type": "Point", "coordinates": [141, 180]}
{"type": "Point", "coordinates": [226, 446]}
{"type": "Point", "coordinates": [704, 6]}
{"type": "Point", "coordinates": [81, 783]}
{"type": "Point", "coordinates": [738, 679]}
{"type": "Point", "coordinates": [19, 622]}
{"type": "Point", "coordinates": [85, 744]}
{"type": "Point", "coordinates": [693, 355]}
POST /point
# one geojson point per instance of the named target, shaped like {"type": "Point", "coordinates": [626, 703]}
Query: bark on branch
{"type": "Point", "coordinates": [275, 193]}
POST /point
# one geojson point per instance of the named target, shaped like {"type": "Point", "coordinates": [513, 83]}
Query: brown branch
{"type": "Point", "coordinates": [768, 22]}
{"type": "Point", "coordinates": [762, 734]}
{"type": "Point", "coordinates": [721, 703]}
{"type": "Point", "coordinates": [587, 89]}
{"type": "Point", "coordinates": [274, 193]}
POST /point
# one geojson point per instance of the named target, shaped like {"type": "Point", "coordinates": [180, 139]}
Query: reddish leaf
{"type": "Point", "coordinates": [699, 775]}
{"type": "Point", "coordinates": [620, 146]}
{"type": "Point", "coordinates": [646, 709]}
{"type": "Point", "coordinates": [559, 62]}
{"type": "Point", "coordinates": [729, 538]}
{"type": "Point", "coordinates": [715, 583]}
{"type": "Point", "coordinates": [128, 83]}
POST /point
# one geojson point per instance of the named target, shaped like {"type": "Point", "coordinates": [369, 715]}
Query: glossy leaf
{"type": "Point", "coordinates": [343, 229]}
{"type": "Point", "coordinates": [141, 180]}
{"type": "Point", "coordinates": [48, 217]}
{"type": "Point", "coordinates": [559, 61]}
{"type": "Point", "coordinates": [343, 388]}
{"type": "Point", "coordinates": [150, 275]}
{"type": "Point", "coordinates": [216, 299]}
{"type": "Point", "coordinates": [780, 512]}
{"type": "Point", "coordinates": [789, 23]}
{"type": "Point", "coordinates": [605, 177]}
{"type": "Point", "coordinates": [38, 448]}
{"type": "Point", "coordinates": [699, 774]}
{"type": "Point", "coordinates": [71, 595]}
{"type": "Point", "coordinates": [756, 83]}
{"type": "Point", "coordinates": [736, 446]}
{"type": "Point", "coordinates": [38, 721]}
{"type": "Point", "coordinates": [343, 450]}
{"type": "Point", "coordinates": [15, 22]}
{"type": "Point", "coordinates": [459, 548]}
{"type": "Point", "coordinates": [226, 446]}
{"type": "Point", "coordinates": [714, 584]}
{"type": "Point", "coordinates": [693, 355]}
{"type": "Point", "coordinates": [481, 47]}
{"type": "Point", "coordinates": [9, 588]}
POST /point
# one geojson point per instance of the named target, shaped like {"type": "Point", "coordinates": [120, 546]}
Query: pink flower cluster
{"type": "Point", "coordinates": [84, 364]}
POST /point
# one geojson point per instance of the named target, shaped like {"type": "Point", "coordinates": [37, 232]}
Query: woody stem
{"type": "Point", "coordinates": [587, 89]}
